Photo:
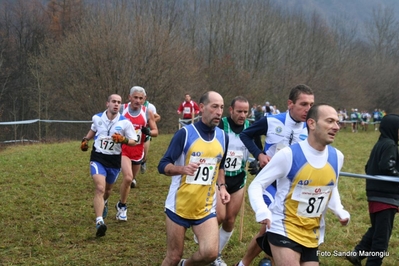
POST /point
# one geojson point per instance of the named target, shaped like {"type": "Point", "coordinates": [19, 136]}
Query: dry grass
{"type": "Point", "coordinates": [46, 201]}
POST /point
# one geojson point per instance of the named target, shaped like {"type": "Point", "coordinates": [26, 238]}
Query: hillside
{"type": "Point", "coordinates": [354, 12]}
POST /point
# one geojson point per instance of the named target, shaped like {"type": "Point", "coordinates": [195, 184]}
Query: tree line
{"type": "Point", "coordinates": [60, 59]}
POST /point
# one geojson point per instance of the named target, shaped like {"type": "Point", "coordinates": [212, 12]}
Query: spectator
{"type": "Point", "coordinates": [365, 116]}
{"type": "Point", "coordinates": [382, 196]}
{"type": "Point", "coordinates": [342, 117]}
{"type": "Point", "coordinates": [377, 116]}
{"type": "Point", "coordinates": [253, 109]}
{"type": "Point", "coordinates": [356, 119]}
{"type": "Point", "coordinates": [267, 109]}
{"type": "Point", "coordinates": [275, 110]}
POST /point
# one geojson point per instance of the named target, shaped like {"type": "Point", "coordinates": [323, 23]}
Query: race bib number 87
{"type": "Point", "coordinates": [205, 172]}
{"type": "Point", "coordinates": [312, 200]}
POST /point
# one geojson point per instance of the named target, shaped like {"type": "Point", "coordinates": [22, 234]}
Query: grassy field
{"type": "Point", "coordinates": [47, 216]}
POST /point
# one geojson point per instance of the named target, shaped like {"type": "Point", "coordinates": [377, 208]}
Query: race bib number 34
{"type": "Point", "coordinates": [204, 173]}
{"type": "Point", "coordinates": [312, 200]}
{"type": "Point", "coordinates": [233, 161]}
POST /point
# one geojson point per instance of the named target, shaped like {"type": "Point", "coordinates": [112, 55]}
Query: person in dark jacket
{"type": "Point", "coordinates": [258, 115]}
{"type": "Point", "coordinates": [383, 196]}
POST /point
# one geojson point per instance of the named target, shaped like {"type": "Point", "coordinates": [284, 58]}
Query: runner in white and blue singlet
{"type": "Point", "coordinates": [306, 174]}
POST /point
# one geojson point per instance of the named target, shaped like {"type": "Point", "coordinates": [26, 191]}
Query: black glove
{"type": "Point", "coordinates": [146, 130]}
{"type": "Point", "coordinates": [253, 167]}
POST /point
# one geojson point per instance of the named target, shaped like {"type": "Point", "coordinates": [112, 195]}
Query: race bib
{"type": "Point", "coordinates": [139, 135]}
{"type": "Point", "coordinates": [312, 200]}
{"type": "Point", "coordinates": [187, 110]}
{"type": "Point", "coordinates": [105, 144]}
{"type": "Point", "coordinates": [233, 161]}
{"type": "Point", "coordinates": [205, 172]}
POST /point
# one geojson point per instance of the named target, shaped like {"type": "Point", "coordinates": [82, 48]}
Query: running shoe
{"type": "Point", "coordinates": [101, 229]}
{"type": "Point", "coordinates": [121, 213]}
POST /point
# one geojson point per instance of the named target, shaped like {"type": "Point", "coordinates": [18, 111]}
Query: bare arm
{"type": "Point", "coordinates": [157, 118]}
{"type": "Point", "coordinates": [90, 134]}
{"type": "Point", "coordinates": [224, 195]}
{"type": "Point", "coordinates": [189, 169]}
{"type": "Point", "coordinates": [152, 124]}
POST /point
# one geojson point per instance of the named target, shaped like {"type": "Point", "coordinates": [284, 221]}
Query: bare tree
{"type": "Point", "coordinates": [69, 55]}
{"type": "Point", "coordinates": [112, 51]}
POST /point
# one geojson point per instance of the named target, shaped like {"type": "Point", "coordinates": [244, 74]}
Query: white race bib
{"type": "Point", "coordinates": [187, 110]}
{"type": "Point", "coordinates": [233, 161]}
{"type": "Point", "coordinates": [205, 172]}
{"type": "Point", "coordinates": [139, 135]}
{"type": "Point", "coordinates": [105, 144]}
{"type": "Point", "coordinates": [312, 200]}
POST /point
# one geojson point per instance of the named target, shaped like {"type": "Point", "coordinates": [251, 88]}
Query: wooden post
{"type": "Point", "coordinates": [243, 208]}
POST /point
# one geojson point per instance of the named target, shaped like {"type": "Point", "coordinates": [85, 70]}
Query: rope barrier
{"type": "Point", "coordinates": [357, 121]}
{"type": "Point", "coordinates": [27, 122]}
{"type": "Point", "coordinates": [374, 177]}
{"type": "Point", "coordinates": [184, 122]}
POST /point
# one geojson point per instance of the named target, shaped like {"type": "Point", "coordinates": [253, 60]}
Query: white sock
{"type": "Point", "coordinates": [240, 263]}
{"type": "Point", "coordinates": [224, 237]}
{"type": "Point", "coordinates": [99, 219]}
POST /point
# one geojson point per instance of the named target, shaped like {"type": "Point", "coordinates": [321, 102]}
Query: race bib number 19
{"type": "Point", "coordinates": [204, 173]}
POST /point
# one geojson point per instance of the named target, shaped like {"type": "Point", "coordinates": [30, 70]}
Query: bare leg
{"type": "Point", "coordinates": [208, 241]}
{"type": "Point", "coordinates": [127, 178]}
{"type": "Point", "coordinates": [98, 201]}
{"type": "Point", "coordinates": [253, 249]}
{"type": "Point", "coordinates": [232, 210]}
{"type": "Point", "coordinates": [175, 243]}
{"type": "Point", "coordinates": [146, 149]}
{"type": "Point", "coordinates": [285, 256]}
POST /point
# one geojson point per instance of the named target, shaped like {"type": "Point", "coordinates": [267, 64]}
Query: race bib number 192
{"type": "Point", "coordinates": [204, 173]}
